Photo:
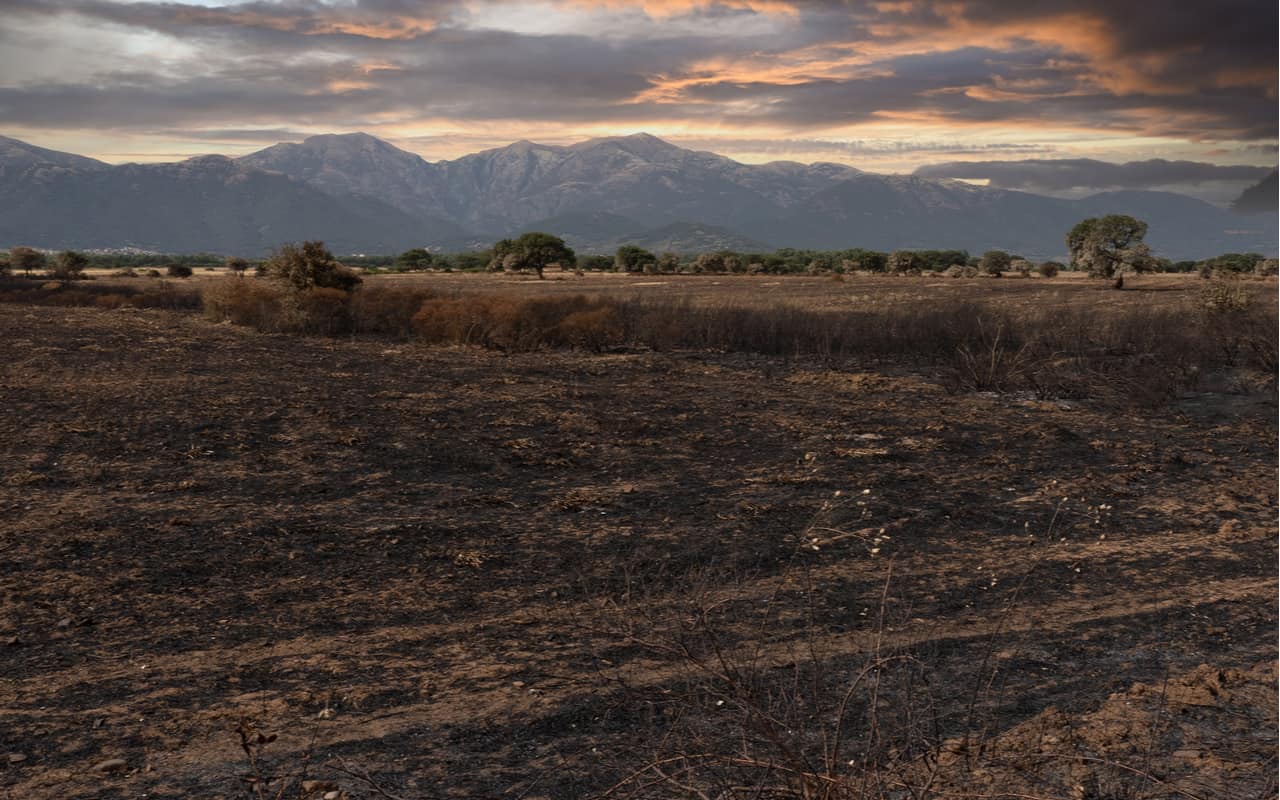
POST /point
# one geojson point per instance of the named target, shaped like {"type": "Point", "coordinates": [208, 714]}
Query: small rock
{"type": "Point", "coordinates": [17, 758]}
{"type": "Point", "coordinates": [110, 765]}
{"type": "Point", "coordinates": [326, 713]}
{"type": "Point", "coordinates": [518, 684]}
{"type": "Point", "coordinates": [12, 641]}
{"type": "Point", "coordinates": [332, 795]}
{"type": "Point", "coordinates": [1192, 754]}
{"type": "Point", "coordinates": [64, 623]}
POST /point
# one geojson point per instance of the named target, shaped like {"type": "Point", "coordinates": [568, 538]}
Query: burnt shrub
{"type": "Point", "coordinates": [55, 293]}
{"type": "Point", "coordinates": [387, 311]}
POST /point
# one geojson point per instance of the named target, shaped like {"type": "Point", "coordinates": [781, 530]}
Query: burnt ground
{"type": "Point", "coordinates": [424, 561]}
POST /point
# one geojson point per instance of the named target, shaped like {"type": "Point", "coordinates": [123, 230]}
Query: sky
{"type": "Point", "coordinates": [890, 86]}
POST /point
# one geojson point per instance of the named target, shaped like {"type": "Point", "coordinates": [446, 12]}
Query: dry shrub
{"type": "Point", "coordinates": [452, 320]}
{"type": "Point", "coordinates": [596, 329]}
{"type": "Point", "coordinates": [55, 293]}
{"type": "Point", "coordinates": [321, 310]}
{"type": "Point", "coordinates": [387, 311]}
{"type": "Point", "coordinates": [113, 300]}
{"type": "Point", "coordinates": [506, 322]}
{"type": "Point", "coordinates": [244, 302]}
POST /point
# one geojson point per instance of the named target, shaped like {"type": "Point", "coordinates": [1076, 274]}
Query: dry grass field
{"type": "Point", "coordinates": [430, 572]}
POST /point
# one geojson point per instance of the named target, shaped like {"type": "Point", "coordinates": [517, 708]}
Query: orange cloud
{"type": "Point", "coordinates": [668, 8]}
{"type": "Point", "coordinates": [383, 27]}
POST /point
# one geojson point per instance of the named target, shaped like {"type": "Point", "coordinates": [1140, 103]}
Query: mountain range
{"type": "Point", "coordinates": [361, 194]}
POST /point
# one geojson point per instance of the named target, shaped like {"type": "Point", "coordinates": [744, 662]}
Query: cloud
{"type": "Point", "coordinates": [993, 71]}
{"type": "Point", "coordinates": [1078, 177]}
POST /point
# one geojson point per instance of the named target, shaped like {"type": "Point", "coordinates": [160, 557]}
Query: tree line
{"type": "Point", "coordinates": [1106, 247]}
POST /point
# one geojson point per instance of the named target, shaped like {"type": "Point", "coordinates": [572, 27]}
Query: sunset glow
{"type": "Point", "coordinates": [885, 86]}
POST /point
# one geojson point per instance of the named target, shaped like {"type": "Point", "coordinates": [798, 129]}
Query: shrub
{"type": "Point", "coordinates": [237, 265]}
{"type": "Point", "coordinates": [178, 271]}
{"type": "Point", "coordinates": [258, 305]}
{"type": "Point", "coordinates": [309, 266]}
{"type": "Point", "coordinates": [630, 258]}
{"type": "Point", "coordinates": [454, 320]}
{"type": "Point", "coordinates": [416, 259]}
{"type": "Point", "coordinates": [387, 311]}
{"type": "Point", "coordinates": [323, 310]}
{"type": "Point", "coordinates": [1049, 269]}
{"type": "Point", "coordinates": [506, 322]}
{"type": "Point", "coordinates": [595, 329]}
{"type": "Point", "coordinates": [1230, 263]}
{"type": "Point", "coordinates": [1224, 294]}
{"type": "Point", "coordinates": [69, 265]}
{"type": "Point", "coordinates": [668, 263]}
{"type": "Point", "coordinates": [111, 300]}
{"type": "Point", "coordinates": [901, 261]}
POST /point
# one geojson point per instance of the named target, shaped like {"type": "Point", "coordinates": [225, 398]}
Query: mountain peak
{"type": "Point", "coordinates": [349, 142]}
{"type": "Point", "coordinates": [641, 144]}
{"type": "Point", "coordinates": [17, 153]}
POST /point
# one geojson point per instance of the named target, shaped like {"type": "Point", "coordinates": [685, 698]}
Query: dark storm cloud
{"type": "Point", "coordinates": [1064, 175]}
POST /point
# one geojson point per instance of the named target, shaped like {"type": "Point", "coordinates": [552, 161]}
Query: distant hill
{"type": "Point", "coordinates": [1261, 198]}
{"type": "Point", "coordinates": [208, 204]}
{"type": "Point", "coordinates": [691, 237]}
{"type": "Point", "coordinates": [362, 194]}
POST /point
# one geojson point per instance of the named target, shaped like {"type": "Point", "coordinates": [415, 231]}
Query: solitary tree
{"type": "Point", "coordinates": [69, 265]}
{"type": "Point", "coordinates": [535, 251]}
{"type": "Point", "coordinates": [237, 264]}
{"type": "Point", "coordinates": [26, 259]}
{"type": "Point", "coordinates": [308, 266]}
{"type": "Point", "coordinates": [630, 258]}
{"type": "Point", "coordinates": [1108, 247]}
{"type": "Point", "coordinates": [416, 259]}
{"type": "Point", "coordinates": [995, 262]}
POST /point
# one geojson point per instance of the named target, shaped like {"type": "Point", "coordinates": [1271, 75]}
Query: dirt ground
{"type": "Point", "coordinates": [415, 559]}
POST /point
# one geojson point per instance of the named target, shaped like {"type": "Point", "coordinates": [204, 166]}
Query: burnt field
{"type": "Point", "coordinates": [426, 572]}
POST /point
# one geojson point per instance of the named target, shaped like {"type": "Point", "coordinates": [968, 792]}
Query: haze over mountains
{"type": "Point", "coordinates": [361, 194]}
